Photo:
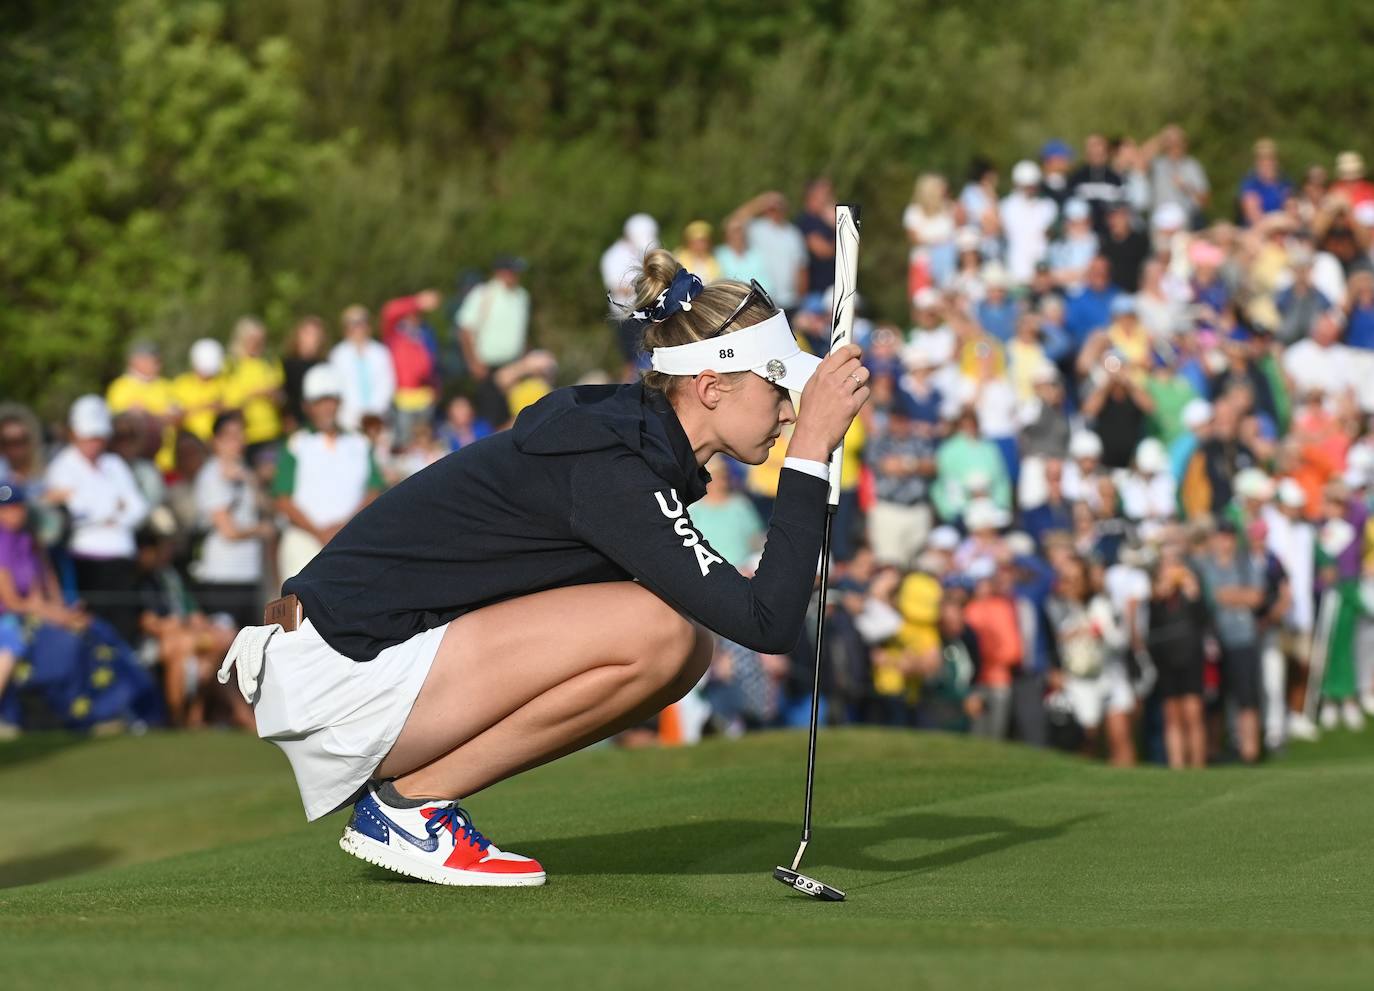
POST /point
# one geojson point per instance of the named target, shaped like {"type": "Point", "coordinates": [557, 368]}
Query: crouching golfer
{"type": "Point", "coordinates": [545, 588]}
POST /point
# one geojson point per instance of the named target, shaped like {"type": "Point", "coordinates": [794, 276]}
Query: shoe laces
{"type": "Point", "coordinates": [458, 822]}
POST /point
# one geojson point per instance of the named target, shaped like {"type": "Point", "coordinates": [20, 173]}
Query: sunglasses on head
{"type": "Point", "coordinates": [756, 291]}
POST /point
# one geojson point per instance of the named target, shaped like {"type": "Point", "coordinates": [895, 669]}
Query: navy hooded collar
{"type": "Point", "coordinates": [586, 418]}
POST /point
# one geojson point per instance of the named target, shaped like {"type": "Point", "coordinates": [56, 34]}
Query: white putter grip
{"type": "Point", "coordinates": [842, 316]}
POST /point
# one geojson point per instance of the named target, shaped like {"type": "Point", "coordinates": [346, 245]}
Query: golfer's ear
{"type": "Point", "coordinates": [707, 389]}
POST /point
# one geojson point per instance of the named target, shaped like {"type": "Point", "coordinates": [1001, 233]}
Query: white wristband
{"type": "Point", "coordinates": [817, 469]}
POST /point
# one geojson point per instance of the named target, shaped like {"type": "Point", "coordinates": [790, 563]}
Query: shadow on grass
{"type": "Point", "coordinates": [55, 864]}
{"type": "Point", "coordinates": [935, 841]}
{"type": "Point", "coordinates": [37, 746]}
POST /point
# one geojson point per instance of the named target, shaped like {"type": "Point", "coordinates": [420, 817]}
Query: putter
{"type": "Point", "coordinates": [841, 332]}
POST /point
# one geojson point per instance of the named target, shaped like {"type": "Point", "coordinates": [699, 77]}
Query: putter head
{"type": "Point", "coordinates": [807, 885]}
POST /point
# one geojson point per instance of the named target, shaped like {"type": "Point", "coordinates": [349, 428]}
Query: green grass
{"type": "Point", "coordinates": [178, 861]}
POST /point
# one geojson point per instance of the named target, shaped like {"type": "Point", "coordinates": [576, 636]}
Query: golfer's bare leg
{"type": "Point", "coordinates": [525, 681]}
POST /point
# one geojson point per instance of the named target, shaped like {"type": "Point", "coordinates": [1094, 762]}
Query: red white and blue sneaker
{"type": "Point", "coordinates": [435, 842]}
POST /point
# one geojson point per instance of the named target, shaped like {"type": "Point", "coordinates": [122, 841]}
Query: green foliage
{"type": "Point", "coordinates": [166, 165]}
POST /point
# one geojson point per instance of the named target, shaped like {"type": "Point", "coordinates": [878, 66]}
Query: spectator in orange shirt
{"type": "Point", "coordinates": [992, 618]}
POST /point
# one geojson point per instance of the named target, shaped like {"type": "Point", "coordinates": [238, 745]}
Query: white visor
{"type": "Point", "coordinates": [768, 349]}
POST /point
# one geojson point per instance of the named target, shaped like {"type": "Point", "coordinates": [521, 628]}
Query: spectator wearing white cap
{"type": "Point", "coordinates": [1026, 218]}
{"type": "Point", "coordinates": [1084, 466]}
{"type": "Point", "coordinates": [1291, 538]}
{"type": "Point", "coordinates": [1070, 254]}
{"type": "Point", "coordinates": [1350, 179]}
{"type": "Point", "coordinates": [200, 392]}
{"type": "Point", "coordinates": [325, 475]}
{"type": "Point", "coordinates": [619, 264]}
{"type": "Point", "coordinates": [1148, 491]}
{"type": "Point", "coordinates": [1197, 422]}
{"type": "Point", "coordinates": [100, 493]}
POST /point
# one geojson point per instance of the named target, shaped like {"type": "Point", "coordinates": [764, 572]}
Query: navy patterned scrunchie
{"type": "Point", "coordinates": [678, 296]}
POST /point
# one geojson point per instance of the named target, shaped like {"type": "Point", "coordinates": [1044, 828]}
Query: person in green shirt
{"type": "Point", "coordinates": [964, 457]}
{"type": "Point", "coordinates": [1171, 392]}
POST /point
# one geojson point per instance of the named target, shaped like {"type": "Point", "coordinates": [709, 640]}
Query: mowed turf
{"type": "Point", "coordinates": [183, 861]}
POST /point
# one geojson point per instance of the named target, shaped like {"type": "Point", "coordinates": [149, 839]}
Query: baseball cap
{"type": "Point", "coordinates": [90, 417]}
{"type": "Point", "coordinates": [1291, 493]}
{"type": "Point", "coordinates": [1085, 444]}
{"type": "Point", "coordinates": [1025, 173]}
{"type": "Point", "coordinates": [1350, 165]}
{"type": "Point", "coordinates": [1076, 209]}
{"type": "Point", "coordinates": [11, 493]}
{"type": "Point", "coordinates": [943, 538]}
{"type": "Point", "coordinates": [509, 263]}
{"type": "Point", "coordinates": [1122, 304]}
{"type": "Point", "coordinates": [207, 356]}
{"type": "Point", "coordinates": [641, 230]}
{"type": "Point", "coordinates": [1196, 412]}
{"type": "Point", "coordinates": [1055, 148]}
{"type": "Point", "coordinates": [321, 382]}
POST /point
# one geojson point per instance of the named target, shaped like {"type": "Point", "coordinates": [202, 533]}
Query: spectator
{"type": "Point", "coordinates": [979, 201]}
{"type": "Point", "coordinates": [991, 615]}
{"type": "Point", "coordinates": [1129, 163]}
{"type": "Point", "coordinates": [424, 448]}
{"type": "Point", "coordinates": [526, 381]}
{"type": "Point", "coordinates": [363, 370]}
{"type": "Point", "coordinates": [1147, 491]}
{"type": "Point", "coordinates": [21, 447]}
{"type": "Point", "coordinates": [493, 328]}
{"type": "Point", "coordinates": [1161, 305]}
{"type": "Point", "coordinates": [143, 387]}
{"type": "Point", "coordinates": [1321, 363]}
{"type": "Point", "coordinates": [696, 253]}
{"type": "Point", "coordinates": [1117, 406]}
{"type": "Point", "coordinates": [817, 225]}
{"type": "Point", "coordinates": [1125, 248]}
{"type": "Point", "coordinates": [461, 424]}
{"type": "Point", "coordinates": [1264, 189]}
{"type": "Point", "coordinates": [902, 462]}
{"type": "Point", "coordinates": [1301, 303]}
{"type": "Point", "coordinates": [737, 259]}
{"type": "Point", "coordinates": [1091, 674]}
{"type": "Point", "coordinates": [201, 393]}
{"type": "Point", "coordinates": [1089, 309]}
{"type": "Point", "coordinates": [1055, 159]}
{"type": "Point", "coordinates": [620, 263]}
{"type": "Point", "coordinates": [1338, 561]}
{"type": "Point", "coordinates": [1206, 485]}
{"type": "Point", "coordinates": [1070, 255]}
{"type": "Point", "coordinates": [324, 475]}
{"type": "Point", "coordinates": [1351, 184]}
{"type": "Point", "coordinates": [780, 246]}
{"type": "Point", "coordinates": [726, 518]}
{"type": "Point", "coordinates": [1175, 176]}
{"type": "Point", "coordinates": [105, 506]}
{"type": "Point", "coordinates": [414, 358]}
{"type": "Point", "coordinates": [229, 568]}
{"type": "Point", "coordinates": [1292, 539]}
{"type": "Point", "coordinates": [29, 589]}
{"type": "Point", "coordinates": [1235, 588]}
{"type": "Point", "coordinates": [950, 697]}
{"type": "Point", "coordinates": [929, 220]}
{"type": "Point", "coordinates": [1026, 218]}
{"type": "Point", "coordinates": [1096, 182]}
{"type": "Point", "coordinates": [1359, 319]}
{"type": "Point", "coordinates": [997, 310]}
{"type": "Point", "coordinates": [304, 351]}
{"type": "Point", "coordinates": [966, 461]}
{"type": "Point", "coordinates": [1177, 625]}
{"type": "Point", "coordinates": [253, 384]}
{"type": "Point", "coordinates": [1026, 358]}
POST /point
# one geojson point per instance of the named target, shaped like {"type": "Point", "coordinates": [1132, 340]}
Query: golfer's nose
{"type": "Point", "coordinates": [787, 413]}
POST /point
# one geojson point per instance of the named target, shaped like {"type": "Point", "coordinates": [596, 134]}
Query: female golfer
{"type": "Point", "coordinates": [544, 588]}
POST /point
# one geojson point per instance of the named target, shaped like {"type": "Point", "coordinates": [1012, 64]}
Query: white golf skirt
{"type": "Point", "coordinates": [336, 718]}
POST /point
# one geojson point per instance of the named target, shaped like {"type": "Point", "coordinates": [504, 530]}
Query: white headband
{"type": "Point", "coordinates": [769, 349]}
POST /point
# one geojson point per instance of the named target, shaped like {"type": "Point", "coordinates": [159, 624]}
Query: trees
{"type": "Point", "coordinates": [166, 165]}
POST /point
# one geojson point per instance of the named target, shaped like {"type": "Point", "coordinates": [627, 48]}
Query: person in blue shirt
{"type": "Point", "coordinates": [1090, 308]}
{"type": "Point", "coordinates": [1359, 328]}
{"type": "Point", "coordinates": [1033, 583]}
{"type": "Point", "coordinates": [997, 312]}
{"type": "Point", "coordinates": [1264, 189]}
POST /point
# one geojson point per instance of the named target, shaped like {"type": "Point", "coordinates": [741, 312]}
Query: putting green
{"type": "Point", "coordinates": [176, 861]}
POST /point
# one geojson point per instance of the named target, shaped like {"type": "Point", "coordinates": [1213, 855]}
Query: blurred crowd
{"type": "Point", "coordinates": [1111, 493]}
